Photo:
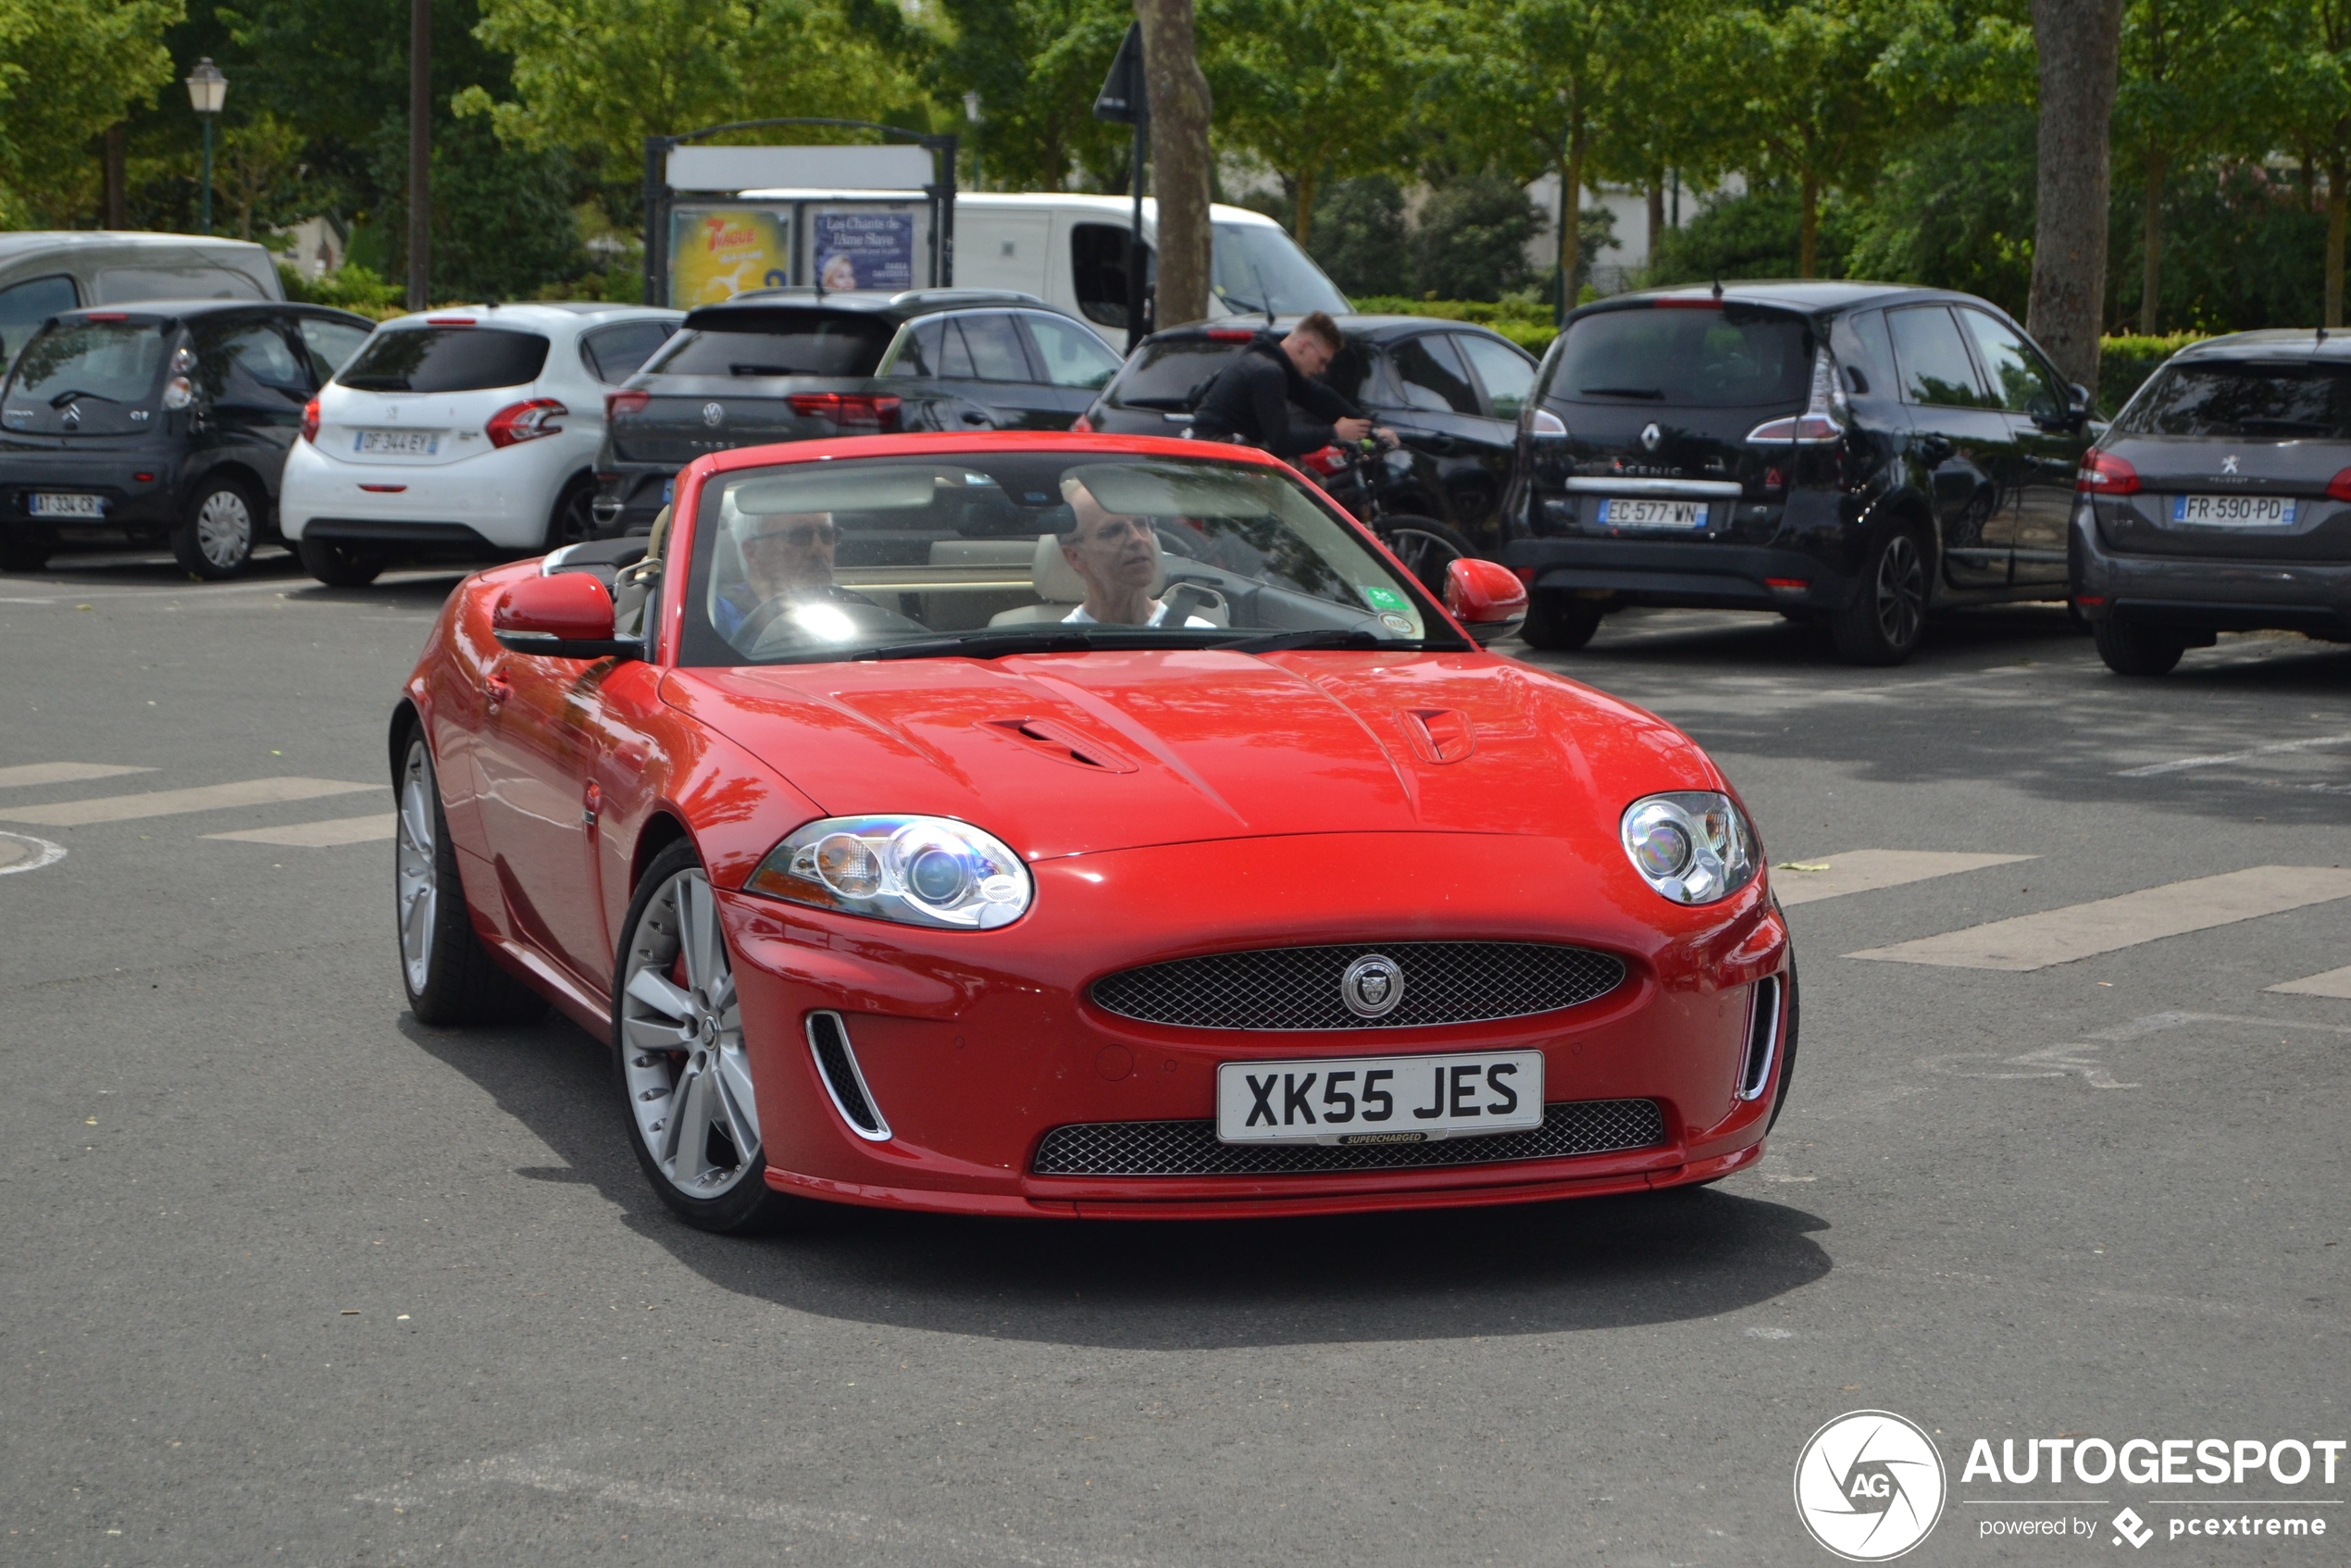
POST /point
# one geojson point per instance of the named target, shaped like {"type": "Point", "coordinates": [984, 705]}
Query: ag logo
{"type": "Point", "coordinates": [1371, 987]}
{"type": "Point", "coordinates": [1869, 1486]}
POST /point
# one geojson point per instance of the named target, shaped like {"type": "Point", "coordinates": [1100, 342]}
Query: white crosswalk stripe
{"type": "Point", "coordinates": [320, 835]}
{"type": "Point", "coordinates": [61, 773]}
{"type": "Point", "coordinates": [2218, 759]}
{"type": "Point", "coordinates": [2082, 930]}
{"type": "Point", "coordinates": [2335, 982]}
{"type": "Point", "coordinates": [172, 803]}
{"type": "Point", "coordinates": [1862, 871]}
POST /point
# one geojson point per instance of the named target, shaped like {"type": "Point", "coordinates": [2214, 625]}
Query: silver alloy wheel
{"type": "Point", "coordinates": [416, 886]}
{"type": "Point", "coordinates": [682, 1046]}
{"type": "Point", "coordinates": [224, 530]}
{"type": "Point", "coordinates": [1902, 591]}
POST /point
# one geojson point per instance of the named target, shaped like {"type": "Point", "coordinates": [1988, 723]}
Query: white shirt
{"type": "Point", "coordinates": [1159, 613]}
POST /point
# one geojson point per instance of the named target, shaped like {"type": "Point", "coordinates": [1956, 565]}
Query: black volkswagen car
{"type": "Point", "coordinates": [796, 363]}
{"type": "Point", "coordinates": [161, 422]}
{"type": "Point", "coordinates": [2221, 501]}
{"type": "Point", "coordinates": [1451, 392]}
{"type": "Point", "coordinates": [1854, 452]}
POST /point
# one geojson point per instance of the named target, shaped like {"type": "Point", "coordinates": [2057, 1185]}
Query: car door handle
{"type": "Point", "coordinates": [974, 417]}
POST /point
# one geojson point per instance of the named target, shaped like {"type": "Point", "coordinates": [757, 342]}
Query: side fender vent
{"type": "Point", "coordinates": [837, 1065]}
{"type": "Point", "coordinates": [1762, 1039]}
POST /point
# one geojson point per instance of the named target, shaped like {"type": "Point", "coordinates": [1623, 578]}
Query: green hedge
{"type": "Point", "coordinates": [2126, 363]}
{"type": "Point", "coordinates": [1524, 322]}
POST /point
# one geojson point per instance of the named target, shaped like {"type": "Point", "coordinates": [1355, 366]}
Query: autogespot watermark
{"type": "Point", "coordinates": [1870, 1485]}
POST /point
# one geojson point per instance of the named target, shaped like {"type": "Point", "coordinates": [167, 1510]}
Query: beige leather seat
{"type": "Point", "coordinates": [1056, 582]}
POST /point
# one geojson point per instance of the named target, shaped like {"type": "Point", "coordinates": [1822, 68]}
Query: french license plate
{"type": "Point", "coordinates": [47, 505]}
{"type": "Point", "coordinates": [1379, 1099]}
{"type": "Point", "coordinates": [2233, 511]}
{"type": "Point", "coordinates": [1644, 512]}
{"type": "Point", "coordinates": [396, 443]}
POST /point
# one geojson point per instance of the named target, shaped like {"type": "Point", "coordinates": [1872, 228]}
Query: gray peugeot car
{"type": "Point", "coordinates": [2220, 499]}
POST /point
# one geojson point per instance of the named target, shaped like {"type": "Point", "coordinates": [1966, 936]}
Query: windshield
{"type": "Point", "coordinates": [1256, 268]}
{"type": "Point", "coordinates": [2214, 398]}
{"type": "Point", "coordinates": [106, 361]}
{"type": "Point", "coordinates": [986, 553]}
{"type": "Point", "coordinates": [445, 359]}
{"type": "Point", "coordinates": [775, 343]}
{"type": "Point", "coordinates": [1736, 356]}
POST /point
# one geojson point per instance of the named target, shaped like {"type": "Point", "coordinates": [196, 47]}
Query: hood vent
{"type": "Point", "coordinates": [1061, 744]}
{"type": "Point", "coordinates": [1439, 735]}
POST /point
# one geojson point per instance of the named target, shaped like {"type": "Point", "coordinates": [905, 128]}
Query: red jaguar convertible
{"type": "Point", "coordinates": [1061, 825]}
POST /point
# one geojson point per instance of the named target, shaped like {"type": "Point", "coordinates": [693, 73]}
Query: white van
{"type": "Point", "coordinates": [1071, 251]}
{"type": "Point", "coordinates": [42, 273]}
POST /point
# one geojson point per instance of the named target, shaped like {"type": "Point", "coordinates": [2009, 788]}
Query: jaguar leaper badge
{"type": "Point", "coordinates": [1371, 987]}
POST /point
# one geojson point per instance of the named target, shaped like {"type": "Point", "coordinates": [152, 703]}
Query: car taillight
{"type": "Point", "coordinates": [310, 421]}
{"type": "Point", "coordinates": [2102, 473]}
{"type": "Point", "coordinates": [1082, 425]}
{"type": "Point", "coordinates": [1230, 334]}
{"type": "Point", "coordinates": [525, 421]}
{"type": "Point", "coordinates": [2339, 487]}
{"type": "Point", "coordinates": [1822, 421]}
{"type": "Point", "coordinates": [1325, 460]}
{"type": "Point", "coordinates": [620, 403]}
{"type": "Point", "coordinates": [849, 410]}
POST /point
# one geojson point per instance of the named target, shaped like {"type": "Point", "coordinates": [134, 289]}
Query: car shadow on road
{"type": "Point", "coordinates": [1602, 1263]}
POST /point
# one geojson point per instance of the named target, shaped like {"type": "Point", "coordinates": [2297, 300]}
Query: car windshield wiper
{"type": "Point", "coordinates": [2281, 427]}
{"type": "Point", "coordinates": [763, 370]}
{"type": "Point", "coordinates": [64, 398]}
{"type": "Point", "coordinates": [1055, 638]}
{"type": "Point", "coordinates": [1314, 637]}
{"type": "Point", "coordinates": [1652, 393]}
{"type": "Point", "coordinates": [374, 383]}
{"type": "Point", "coordinates": [1166, 405]}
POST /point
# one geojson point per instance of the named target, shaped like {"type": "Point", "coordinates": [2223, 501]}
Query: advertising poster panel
{"type": "Point", "coordinates": [864, 248]}
{"type": "Point", "coordinates": [717, 251]}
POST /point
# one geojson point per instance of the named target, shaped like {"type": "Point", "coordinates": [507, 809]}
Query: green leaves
{"type": "Point", "coordinates": [69, 69]}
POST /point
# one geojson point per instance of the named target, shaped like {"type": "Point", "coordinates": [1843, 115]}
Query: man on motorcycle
{"type": "Point", "coordinates": [1267, 396]}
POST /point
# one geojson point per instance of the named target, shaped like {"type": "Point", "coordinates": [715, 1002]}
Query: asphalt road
{"type": "Point", "coordinates": [286, 1277]}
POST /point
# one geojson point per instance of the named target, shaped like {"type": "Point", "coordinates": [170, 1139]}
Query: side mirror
{"type": "Point", "coordinates": [1485, 596]}
{"type": "Point", "coordinates": [2077, 397]}
{"type": "Point", "coordinates": [564, 617]}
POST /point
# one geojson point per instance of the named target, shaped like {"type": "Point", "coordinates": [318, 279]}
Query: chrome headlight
{"type": "Point", "coordinates": [919, 870]}
{"type": "Point", "coordinates": [1693, 845]}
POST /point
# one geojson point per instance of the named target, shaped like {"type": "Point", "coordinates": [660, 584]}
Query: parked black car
{"type": "Point", "coordinates": [2221, 501]}
{"type": "Point", "coordinates": [1857, 452]}
{"type": "Point", "coordinates": [805, 364]}
{"type": "Point", "coordinates": [1451, 392]}
{"type": "Point", "coordinates": [161, 421]}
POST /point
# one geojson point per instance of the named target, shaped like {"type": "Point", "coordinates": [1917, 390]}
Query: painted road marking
{"type": "Point", "coordinates": [1862, 871]}
{"type": "Point", "coordinates": [2219, 758]}
{"type": "Point", "coordinates": [22, 851]}
{"type": "Point", "coordinates": [172, 803]}
{"type": "Point", "coordinates": [61, 773]}
{"type": "Point", "coordinates": [2061, 936]}
{"type": "Point", "coordinates": [320, 835]}
{"type": "Point", "coordinates": [2335, 982]}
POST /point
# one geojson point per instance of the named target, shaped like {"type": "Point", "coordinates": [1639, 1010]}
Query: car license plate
{"type": "Point", "coordinates": [1379, 1099]}
{"type": "Point", "coordinates": [47, 505]}
{"type": "Point", "coordinates": [396, 443]}
{"type": "Point", "coordinates": [2233, 511]}
{"type": "Point", "coordinates": [1643, 513]}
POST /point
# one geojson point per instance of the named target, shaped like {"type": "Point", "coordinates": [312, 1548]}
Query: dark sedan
{"type": "Point", "coordinates": [1854, 452]}
{"type": "Point", "coordinates": [779, 364]}
{"type": "Point", "coordinates": [2221, 501]}
{"type": "Point", "coordinates": [1451, 392]}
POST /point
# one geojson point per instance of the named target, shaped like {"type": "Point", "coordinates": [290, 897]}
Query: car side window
{"type": "Point", "coordinates": [1508, 374]}
{"type": "Point", "coordinates": [614, 354]}
{"type": "Point", "coordinates": [23, 307]}
{"type": "Point", "coordinates": [2021, 384]}
{"type": "Point", "coordinates": [1098, 266]}
{"type": "Point", "coordinates": [993, 343]}
{"type": "Point", "coordinates": [1935, 369]}
{"type": "Point", "coordinates": [1434, 377]}
{"type": "Point", "coordinates": [248, 362]}
{"type": "Point", "coordinates": [332, 345]}
{"type": "Point", "coordinates": [921, 349]}
{"type": "Point", "coordinates": [1072, 356]}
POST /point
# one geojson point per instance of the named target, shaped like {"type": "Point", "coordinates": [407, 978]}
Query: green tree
{"type": "Point", "coordinates": [2307, 60]}
{"type": "Point", "coordinates": [1036, 65]}
{"type": "Point", "coordinates": [259, 168]}
{"type": "Point", "coordinates": [2183, 92]}
{"type": "Point", "coordinates": [69, 69]}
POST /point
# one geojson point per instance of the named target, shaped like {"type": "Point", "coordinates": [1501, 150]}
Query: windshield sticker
{"type": "Point", "coordinates": [1384, 598]}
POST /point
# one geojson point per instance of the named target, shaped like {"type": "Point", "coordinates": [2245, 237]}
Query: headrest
{"type": "Point", "coordinates": [1057, 582]}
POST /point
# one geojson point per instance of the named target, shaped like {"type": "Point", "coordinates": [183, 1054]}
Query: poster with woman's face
{"type": "Point", "coordinates": [864, 250]}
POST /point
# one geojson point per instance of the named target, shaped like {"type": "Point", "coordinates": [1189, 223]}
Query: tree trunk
{"type": "Point", "coordinates": [118, 186]}
{"type": "Point", "coordinates": [1303, 223]}
{"type": "Point", "coordinates": [1180, 107]}
{"type": "Point", "coordinates": [1808, 230]}
{"type": "Point", "coordinates": [2338, 208]}
{"type": "Point", "coordinates": [2078, 42]}
{"type": "Point", "coordinates": [1572, 223]}
{"type": "Point", "coordinates": [1656, 216]}
{"type": "Point", "coordinates": [2151, 233]}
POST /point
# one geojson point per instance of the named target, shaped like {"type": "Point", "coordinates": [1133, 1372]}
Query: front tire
{"type": "Point", "coordinates": [1887, 618]}
{"type": "Point", "coordinates": [678, 1053]}
{"type": "Point", "coordinates": [223, 523]}
{"type": "Point", "coordinates": [450, 976]}
{"type": "Point", "coordinates": [2138, 650]}
{"type": "Point", "coordinates": [573, 520]}
{"type": "Point", "coordinates": [337, 565]}
{"type": "Point", "coordinates": [1559, 624]}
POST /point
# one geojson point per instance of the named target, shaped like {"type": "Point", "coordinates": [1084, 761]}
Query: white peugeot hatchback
{"type": "Point", "coordinates": [461, 434]}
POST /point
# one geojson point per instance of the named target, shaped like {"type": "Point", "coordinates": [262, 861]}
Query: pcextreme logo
{"type": "Point", "coordinates": [1870, 1485]}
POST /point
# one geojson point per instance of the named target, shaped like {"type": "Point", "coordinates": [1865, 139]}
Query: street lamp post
{"type": "Point", "coordinates": [207, 90]}
{"type": "Point", "coordinates": [971, 113]}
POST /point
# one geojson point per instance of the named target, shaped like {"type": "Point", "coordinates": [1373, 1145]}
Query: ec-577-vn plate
{"type": "Point", "coordinates": [1350, 1100]}
{"type": "Point", "coordinates": [1650, 512]}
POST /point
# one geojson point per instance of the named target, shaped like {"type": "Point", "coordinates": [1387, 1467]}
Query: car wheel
{"type": "Point", "coordinates": [2138, 650]}
{"type": "Point", "coordinates": [1887, 618]}
{"type": "Point", "coordinates": [678, 1051]}
{"type": "Point", "coordinates": [1425, 546]}
{"type": "Point", "coordinates": [450, 976]}
{"type": "Point", "coordinates": [224, 522]}
{"type": "Point", "coordinates": [574, 520]}
{"type": "Point", "coordinates": [23, 554]}
{"type": "Point", "coordinates": [338, 564]}
{"type": "Point", "coordinates": [1559, 624]}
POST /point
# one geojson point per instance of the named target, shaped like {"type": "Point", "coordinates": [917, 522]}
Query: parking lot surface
{"type": "Point", "coordinates": [292, 1278]}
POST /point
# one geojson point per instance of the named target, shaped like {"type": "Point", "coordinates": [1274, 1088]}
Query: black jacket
{"type": "Point", "coordinates": [1260, 398]}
